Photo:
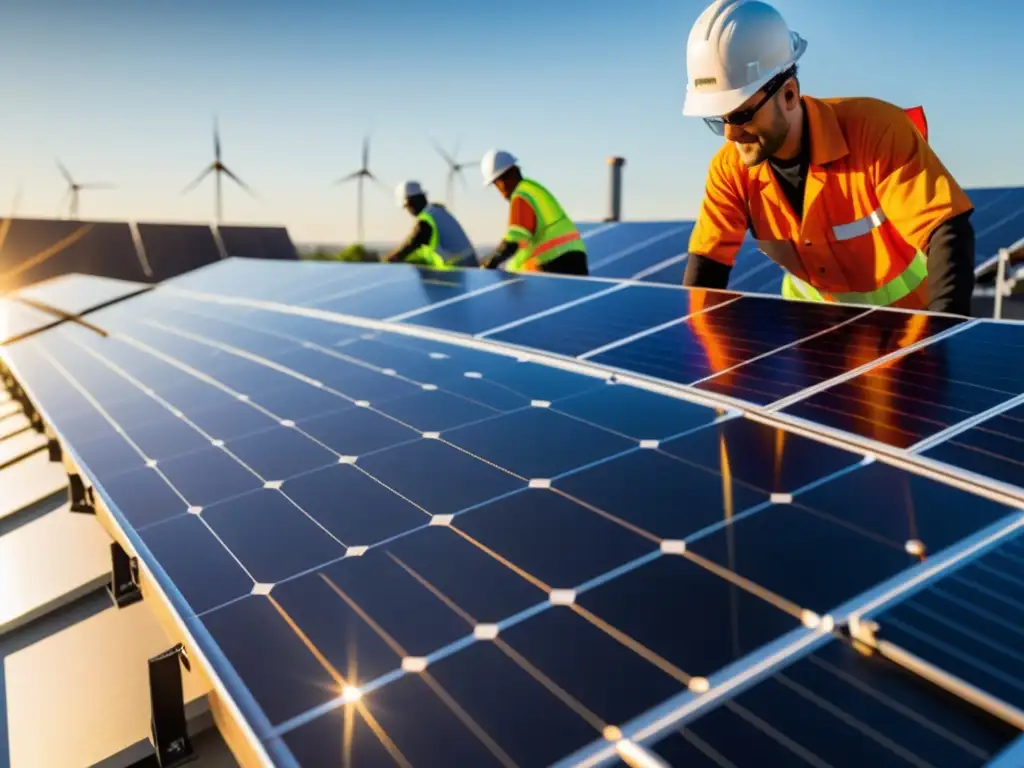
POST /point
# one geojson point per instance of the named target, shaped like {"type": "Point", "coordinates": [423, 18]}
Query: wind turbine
{"type": "Point", "coordinates": [217, 168]}
{"type": "Point", "coordinates": [74, 188]}
{"type": "Point", "coordinates": [455, 168]}
{"type": "Point", "coordinates": [364, 172]}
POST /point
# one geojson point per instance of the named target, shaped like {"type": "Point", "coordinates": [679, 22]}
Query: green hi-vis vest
{"type": "Point", "coordinates": [555, 235]}
{"type": "Point", "coordinates": [899, 287]}
{"type": "Point", "coordinates": [448, 244]}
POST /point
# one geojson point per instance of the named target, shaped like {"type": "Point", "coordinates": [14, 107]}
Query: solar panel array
{"type": "Point", "coordinates": [656, 251]}
{"type": "Point", "coordinates": [39, 249]}
{"type": "Point", "coordinates": [36, 250]}
{"type": "Point", "coordinates": [474, 518]}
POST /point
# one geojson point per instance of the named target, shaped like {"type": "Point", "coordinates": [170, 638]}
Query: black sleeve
{"type": "Point", "coordinates": [419, 237]}
{"type": "Point", "coordinates": [504, 252]}
{"type": "Point", "coordinates": [950, 254]}
{"type": "Point", "coordinates": [702, 272]}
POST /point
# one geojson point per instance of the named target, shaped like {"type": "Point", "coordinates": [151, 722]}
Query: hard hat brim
{"type": "Point", "coordinates": [721, 103]}
{"type": "Point", "coordinates": [495, 175]}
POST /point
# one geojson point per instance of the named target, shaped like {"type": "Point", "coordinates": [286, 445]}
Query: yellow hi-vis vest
{"type": "Point", "coordinates": [555, 233]}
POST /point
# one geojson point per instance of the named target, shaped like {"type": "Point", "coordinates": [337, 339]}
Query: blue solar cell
{"type": "Point", "coordinates": [279, 453]}
{"type": "Point", "coordinates": [766, 458]}
{"type": "Point", "coordinates": [539, 382]}
{"type": "Point", "coordinates": [515, 300]}
{"type": "Point", "coordinates": [993, 448]}
{"type": "Point", "coordinates": [277, 280]}
{"type": "Point", "coordinates": [272, 538]}
{"type": "Point", "coordinates": [436, 411]}
{"type": "Point", "coordinates": [635, 412]}
{"type": "Point", "coordinates": [203, 570]}
{"type": "Point", "coordinates": [607, 318]}
{"type": "Point", "coordinates": [927, 390]}
{"type": "Point", "coordinates": [142, 496]}
{"type": "Point", "coordinates": [537, 443]}
{"type": "Point", "coordinates": [661, 496]}
{"type": "Point", "coordinates": [417, 290]}
{"type": "Point", "coordinates": [969, 623]}
{"type": "Point", "coordinates": [424, 472]}
{"type": "Point", "coordinates": [347, 378]}
{"type": "Point", "coordinates": [644, 253]}
{"type": "Point", "coordinates": [270, 658]}
{"type": "Point", "coordinates": [723, 337]}
{"type": "Point", "coordinates": [825, 356]}
{"type": "Point", "coordinates": [999, 224]}
{"type": "Point", "coordinates": [622, 236]}
{"type": "Point", "coordinates": [357, 431]}
{"type": "Point", "coordinates": [835, 707]}
{"type": "Point", "coordinates": [534, 529]}
{"type": "Point", "coordinates": [208, 476]}
{"type": "Point", "coordinates": [354, 507]}
{"type": "Point", "coordinates": [430, 362]}
{"type": "Point", "coordinates": [730, 620]}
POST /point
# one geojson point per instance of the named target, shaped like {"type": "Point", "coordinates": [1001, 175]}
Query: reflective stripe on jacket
{"type": "Point", "coordinates": [554, 233]}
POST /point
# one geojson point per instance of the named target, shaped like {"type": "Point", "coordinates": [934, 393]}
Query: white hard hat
{"type": "Point", "coordinates": [734, 49]}
{"type": "Point", "coordinates": [495, 163]}
{"type": "Point", "coordinates": [407, 189]}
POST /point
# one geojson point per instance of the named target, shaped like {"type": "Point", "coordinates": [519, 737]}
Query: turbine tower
{"type": "Point", "coordinates": [74, 188]}
{"type": "Point", "coordinates": [218, 168]}
{"type": "Point", "coordinates": [359, 176]}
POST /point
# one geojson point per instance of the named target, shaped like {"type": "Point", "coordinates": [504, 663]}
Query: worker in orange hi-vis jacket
{"type": "Point", "coordinates": [845, 194]}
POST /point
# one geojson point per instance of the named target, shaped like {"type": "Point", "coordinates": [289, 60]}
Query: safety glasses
{"type": "Point", "coordinates": [744, 116]}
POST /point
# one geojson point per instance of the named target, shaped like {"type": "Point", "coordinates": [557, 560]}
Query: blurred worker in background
{"type": "Point", "coordinates": [844, 194]}
{"type": "Point", "coordinates": [438, 240]}
{"type": "Point", "coordinates": [540, 236]}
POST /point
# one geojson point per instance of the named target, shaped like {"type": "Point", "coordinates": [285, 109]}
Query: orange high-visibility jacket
{"type": "Point", "coordinates": [875, 192]}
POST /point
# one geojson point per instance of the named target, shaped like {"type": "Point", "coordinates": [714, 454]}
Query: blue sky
{"type": "Point", "coordinates": [125, 92]}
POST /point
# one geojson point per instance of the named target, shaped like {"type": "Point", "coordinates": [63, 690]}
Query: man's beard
{"type": "Point", "coordinates": [762, 147]}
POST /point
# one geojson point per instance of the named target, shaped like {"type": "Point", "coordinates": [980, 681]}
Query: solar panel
{"type": "Point", "coordinates": [257, 242]}
{"type": "Point", "coordinates": [173, 249]}
{"type": "Point", "coordinates": [38, 249]}
{"type": "Point", "coordinates": [922, 394]}
{"type": "Point", "coordinates": [496, 520]}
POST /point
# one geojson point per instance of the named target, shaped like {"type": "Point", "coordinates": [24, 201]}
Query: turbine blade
{"type": "Point", "coordinates": [216, 139]}
{"type": "Point", "coordinates": [350, 177]}
{"type": "Point", "coordinates": [64, 172]}
{"type": "Point", "coordinates": [206, 172]}
{"type": "Point", "coordinates": [238, 181]}
{"type": "Point", "coordinates": [96, 186]}
{"type": "Point", "coordinates": [440, 150]}
{"type": "Point", "coordinates": [366, 153]}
